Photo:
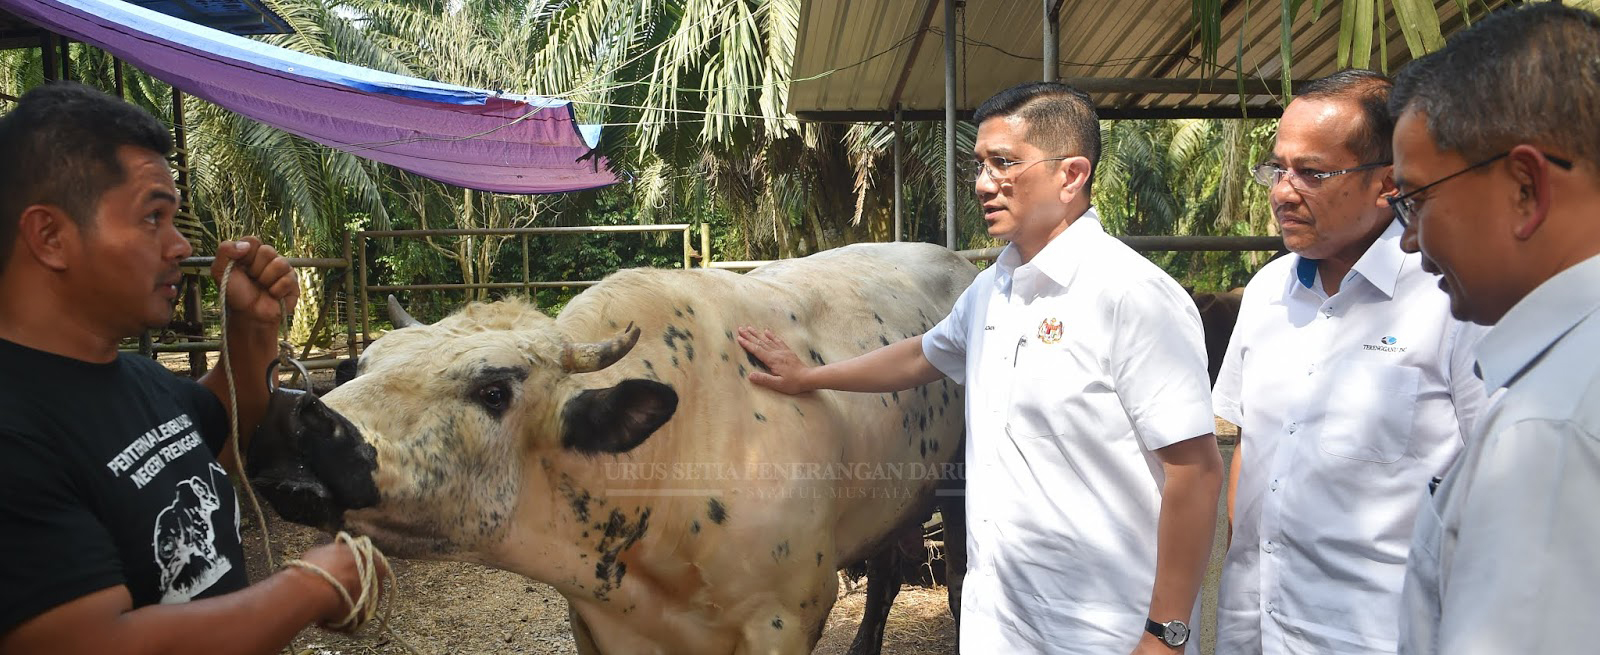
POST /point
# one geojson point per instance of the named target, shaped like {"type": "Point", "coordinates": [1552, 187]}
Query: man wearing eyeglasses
{"type": "Point", "coordinates": [1501, 190]}
{"type": "Point", "coordinates": [1092, 474]}
{"type": "Point", "coordinates": [1350, 382]}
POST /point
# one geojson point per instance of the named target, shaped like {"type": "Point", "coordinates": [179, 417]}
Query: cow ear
{"type": "Point", "coordinates": [616, 419]}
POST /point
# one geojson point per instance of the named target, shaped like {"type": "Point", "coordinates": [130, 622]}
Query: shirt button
{"type": "Point", "coordinates": [1269, 547]}
{"type": "Point", "coordinates": [1293, 427]}
{"type": "Point", "coordinates": [1327, 311]}
{"type": "Point", "coordinates": [1274, 485]}
{"type": "Point", "coordinates": [1272, 608]}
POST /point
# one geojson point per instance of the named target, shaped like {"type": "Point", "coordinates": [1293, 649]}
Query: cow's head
{"type": "Point", "coordinates": [427, 448]}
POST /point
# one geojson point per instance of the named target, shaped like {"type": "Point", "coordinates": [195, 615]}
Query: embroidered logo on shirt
{"type": "Point", "coordinates": [1386, 344]}
{"type": "Point", "coordinates": [1050, 330]}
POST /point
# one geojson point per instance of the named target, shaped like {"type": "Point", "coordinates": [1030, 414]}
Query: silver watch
{"type": "Point", "coordinates": [1171, 633]}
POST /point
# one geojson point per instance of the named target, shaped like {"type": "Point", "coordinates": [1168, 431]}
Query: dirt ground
{"type": "Point", "coordinates": [467, 609]}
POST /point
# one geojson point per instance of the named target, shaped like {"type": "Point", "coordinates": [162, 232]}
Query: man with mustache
{"type": "Point", "coordinates": [120, 529]}
{"type": "Point", "coordinates": [1092, 473]}
{"type": "Point", "coordinates": [1351, 386]}
{"type": "Point", "coordinates": [1500, 189]}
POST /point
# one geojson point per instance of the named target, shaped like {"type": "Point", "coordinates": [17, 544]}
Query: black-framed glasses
{"type": "Point", "coordinates": [1405, 204]}
{"type": "Point", "coordinates": [999, 168]}
{"type": "Point", "coordinates": [1268, 174]}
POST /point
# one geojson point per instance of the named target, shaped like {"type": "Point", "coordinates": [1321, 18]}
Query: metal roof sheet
{"type": "Point", "coordinates": [858, 59]}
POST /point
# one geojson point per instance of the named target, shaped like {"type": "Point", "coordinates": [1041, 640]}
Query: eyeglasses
{"type": "Point", "coordinates": [999, 168]}
{"type": "Point", "coordinates": [1268, 174]}
{"type": "Point", "coordinates": [1405, 204]}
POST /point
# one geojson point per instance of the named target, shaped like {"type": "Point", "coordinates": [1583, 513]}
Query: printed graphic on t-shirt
{"type": "Point", "coordinates": [186, 540]}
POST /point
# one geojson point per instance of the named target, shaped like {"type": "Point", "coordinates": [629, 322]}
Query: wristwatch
{"type": "Point", "coordinates": [1171, 633]}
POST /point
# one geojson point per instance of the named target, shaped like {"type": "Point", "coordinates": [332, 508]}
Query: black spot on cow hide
{"type": "Point", "coordinates": [756, 362]}
{"type": "Point", "coordinates": [716, 511]}
{"type": "Point", "coordinates": [694, 526]}
{"type": "Point", "coordinates": [793, 318]}
{"type": "Point", "coordinates": [620, 535]}
{"type": "Point", "coordinates": [678, 312]}
{"type": "Point", "coordinates": [577, 498]}
{"type": "Point", "coordinates": [780, 552]}
{"type": "Point", "coordinates": [817, 358]}
{"type": "Point", "coordinates": [777, 623]}
{"type": "Point", "coordinates": [761, 417]}
{"type": "Point", "coordinates": [819, 563]}
{"type": "Point", "coordinates": [877, 318]}
{"type": "Point", "coordinates": [883, 340]}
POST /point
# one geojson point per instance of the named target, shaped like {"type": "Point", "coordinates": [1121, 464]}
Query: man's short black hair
{"type": "Point", "coordinates": [59, 147]}
{"type": "Point", "coordinates": [1373, 141]}
{"type": "Point", "coordinates": [1061, 120]}
{"type": "Point", "coordinates": [1525, 75]}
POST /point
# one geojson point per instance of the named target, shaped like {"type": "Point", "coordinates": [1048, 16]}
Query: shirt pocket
{"type": "Point", "coordinates": [1047, 384]}
{"type": "Point", "coordinates": [1370, 408]}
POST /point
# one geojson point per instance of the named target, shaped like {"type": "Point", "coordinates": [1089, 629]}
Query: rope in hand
{"type": "Point", "coordinates": [367, 556]}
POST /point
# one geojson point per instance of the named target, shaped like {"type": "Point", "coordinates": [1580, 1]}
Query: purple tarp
{"type": "Point", "coordinates": [467, 137]}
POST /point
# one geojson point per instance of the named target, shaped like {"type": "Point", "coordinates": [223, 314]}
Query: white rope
{"type": "Point", "coordinates": [368, 559]}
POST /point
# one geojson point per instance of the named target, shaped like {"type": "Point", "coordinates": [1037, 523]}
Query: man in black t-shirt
{"type": "Point", "coordinates": [119, 530]}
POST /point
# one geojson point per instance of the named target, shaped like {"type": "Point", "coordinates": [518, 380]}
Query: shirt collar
{"type": "Point", "coordinates": [1537, 322]}
{"type": "Point", "coordinates": [1380, 265]}
{"type": "Point", "coordinates": [1058, 259]}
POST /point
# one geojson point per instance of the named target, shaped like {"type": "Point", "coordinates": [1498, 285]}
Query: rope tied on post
{"type": "Point", "coordinates": [368, 559]}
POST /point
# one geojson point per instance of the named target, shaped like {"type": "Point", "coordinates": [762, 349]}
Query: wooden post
{"type": "Point", "coordinates": [705, 244]}
{"type": "Point", "coordinates": [366, 320]}
{"type": "Point", "coordinates": [191, 313]}
{"type": "Point", "coordinates": [349, 299]}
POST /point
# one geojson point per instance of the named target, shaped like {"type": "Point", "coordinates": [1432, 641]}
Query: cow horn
{"type": "Point", "coordinates": [591, 357]}
{"type": "Point", "coordinates": [399, 317]}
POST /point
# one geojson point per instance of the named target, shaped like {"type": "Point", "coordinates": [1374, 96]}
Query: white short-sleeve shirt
{"type": "Point", "coordinates": [1347, 405]}
{"type": "Point", "coordinates": [1505, 553]}
{"type": "Point", "coordinates": [1077, 365]}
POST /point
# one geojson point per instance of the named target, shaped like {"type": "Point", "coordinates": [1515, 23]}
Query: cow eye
{"type": "Point", "coordinates": [495, 397]}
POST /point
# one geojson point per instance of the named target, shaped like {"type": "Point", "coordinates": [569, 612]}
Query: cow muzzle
{"type": "Point", "coordinates": [310, 463]}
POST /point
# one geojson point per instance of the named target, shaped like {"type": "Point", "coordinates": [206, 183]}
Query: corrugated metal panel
{"type": "Point", "coordinates": [1107, 46]}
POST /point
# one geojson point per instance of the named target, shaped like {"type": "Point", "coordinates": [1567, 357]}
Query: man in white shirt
{"type": "Point", "coordinates": [1092, 474]}
{"type": "Point", "coordinates": [1351, 384]}
{"type": "Point", "coordinates": [1500, 187]}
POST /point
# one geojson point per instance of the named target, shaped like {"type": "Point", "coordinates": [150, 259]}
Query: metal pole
{"type": "Point", "coordinates": [525, 277]}
{"type": "Point", "coordinates": [66, 58]}
{"type": "Point", "coordinates": [366, 321]}
{"type": "Point", "coordinates": [349, 300]}
{"type": "Point", "coordinates": [899, 138]}
{"type": "Point", "coordinates": [1052, 38]}
{"type": "Point", "coordinates": [47, 43]}
{"type": "Point", "coordinates": [950, 124]}
{"type": "Point", "coordinates": [116, 75]}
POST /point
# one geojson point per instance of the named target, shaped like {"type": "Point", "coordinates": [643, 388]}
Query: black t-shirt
{"type": "Point", "coordinates": [109, 476]}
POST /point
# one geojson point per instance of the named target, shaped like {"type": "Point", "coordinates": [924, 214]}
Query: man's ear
{"type": "Point", "coordinates": [48, 235]}
{"type": "Point", "coordinates": [1074, 172]}
{"type": "Point", "coordinates": [1530, 171]}
{"type": "Point", "coordinates": [1386, 187]}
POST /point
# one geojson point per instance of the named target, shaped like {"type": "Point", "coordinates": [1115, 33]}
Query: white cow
{"type": "Point", "coordinates": [619, 453]}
